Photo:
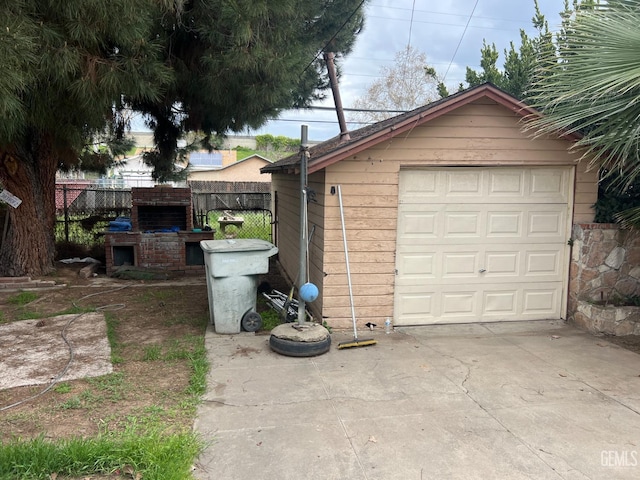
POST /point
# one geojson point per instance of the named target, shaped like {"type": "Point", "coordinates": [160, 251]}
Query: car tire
{"type": "Point", "coordinates": [294, 348]}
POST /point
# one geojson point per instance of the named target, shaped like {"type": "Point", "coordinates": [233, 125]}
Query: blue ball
{"type": "Point", "coordinates": [308, 292]}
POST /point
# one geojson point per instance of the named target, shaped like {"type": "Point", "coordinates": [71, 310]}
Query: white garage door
{"type": "Point", "coordinates": [482, 244]}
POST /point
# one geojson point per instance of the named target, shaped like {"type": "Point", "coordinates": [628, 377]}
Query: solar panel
{"type": "Point", "coordinates": [213, 159]}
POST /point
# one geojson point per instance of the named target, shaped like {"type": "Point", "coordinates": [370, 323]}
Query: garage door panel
{"type": "Point", "coordinates": [415, 307]}
{"type": "Point", "coordinates": [459, 265]}
{"type": "Point", "coordinates": [504, 224]}
{"type": "Point", "coordinates": [497, 185]}
{"type": "Point", "coordinates": [487, 263]}
{"type": "Point", "coordinates": [501, 303]}
{"type": "Point", "coordinates": [540, 300]}
{"type": "Point", "coordinates": [465, 303]}
{"type": "Point", "coordinates": [507, 183]}
{"type": "Point", "coordinates": [463, 183]}
{"type": "Point", "coordinates": [442, 223]}
{"type": "Point", "coordinates": [549, 224]}
{"type": "Point", "coordinates": [420, 184]}
{"type": "Point", "coordinates": [460, 304]}
{"type": "Point", "coordinates": [462, 224]}
{"type": "Point", "coordinates": [544, 263]}
{"type": "Point", "coordinates": [502, 263]}
{"type": "Point", "coordinates": [418, 264]}
{"type": "Point", "coordinates": [549, 185]}
{"type": "Point", "coordinates": [481, 244]}
{"type": "Point", "coordinates": [418, 223]}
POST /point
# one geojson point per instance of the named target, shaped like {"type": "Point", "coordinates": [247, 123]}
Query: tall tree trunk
{"type": "Point", "coordinates": [29, 247]}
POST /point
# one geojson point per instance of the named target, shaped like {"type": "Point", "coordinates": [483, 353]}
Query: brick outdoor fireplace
{"type": "Point", "coordinates": [161, 236]}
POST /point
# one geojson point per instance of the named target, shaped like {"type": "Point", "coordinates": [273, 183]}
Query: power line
{"type": "Point", "coordinates": [413, 9]}
{"type": "Point", "coordinates": [460, 42]}
{"type": "Point", "coordinates": [430, 22]}
{"type": "Point", "coordinates": [514, 20]}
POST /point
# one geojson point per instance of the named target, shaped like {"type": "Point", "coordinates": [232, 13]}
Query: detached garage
{"type": "Point", "coordinates": [453, 215]}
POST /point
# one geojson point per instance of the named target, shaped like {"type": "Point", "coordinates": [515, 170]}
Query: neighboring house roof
{"type": "Point", "coordinates": [255, 156]}
{"type": "Point", "coordinates": [336, 149]}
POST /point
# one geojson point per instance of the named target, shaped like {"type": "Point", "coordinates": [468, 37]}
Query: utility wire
{"type": "Point", "coordinates": [460, 42]}
{"type": "Point", "coordinates": [413, 9]}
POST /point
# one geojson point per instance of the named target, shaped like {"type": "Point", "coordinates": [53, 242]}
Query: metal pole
{"type": "Point", "coordinates": [333, 80]}
{"type": "Point", "coordinates": [66, 213]}
{"type": "Point", "coordinates": [302, 274]}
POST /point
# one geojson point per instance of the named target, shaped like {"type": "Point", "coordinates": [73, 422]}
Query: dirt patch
{"type": "Point", "coordinates": [145, 377]}
{"type": "Point", "coordinates": [630, 342]}
{"type": "Point", "coordinates": [66, 347]}
{"type": "Point", "coordinates": [154, 325]}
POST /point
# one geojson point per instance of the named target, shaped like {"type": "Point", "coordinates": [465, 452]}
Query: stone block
{"type": "Point", "coordinates": [616, 258]}
{"type": "Point", "coordinates": [627, 286]}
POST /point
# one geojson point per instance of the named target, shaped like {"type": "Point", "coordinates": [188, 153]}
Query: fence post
{"type": "Point", "coordinates": [66, 213]}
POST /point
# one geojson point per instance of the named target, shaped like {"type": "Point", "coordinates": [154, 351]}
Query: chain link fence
{"type": "Point", "coordinates": [84, 211]}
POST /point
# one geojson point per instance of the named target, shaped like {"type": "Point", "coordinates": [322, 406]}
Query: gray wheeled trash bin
{"type": "Point", "coordinates": [232, 267]}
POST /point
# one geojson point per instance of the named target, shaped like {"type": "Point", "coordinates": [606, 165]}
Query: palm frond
{"type": "Point", "coordinates": [593, 88]}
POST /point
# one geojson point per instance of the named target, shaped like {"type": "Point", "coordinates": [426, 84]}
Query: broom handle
{"type": "Point", "coordinates": [346, 258]}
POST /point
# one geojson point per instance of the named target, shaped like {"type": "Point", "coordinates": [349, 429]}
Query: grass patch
{"type": "Point", "coordinates": [112, 385]}
{"type": "Point", "coordinates": [29, 315]}
{"type": "Point", "coordinates": [148, 436]}
{"type": "Point", "coordinates": [22, 298]}
{"type": "Point", "coordinates": [270, 320]}
{"type": "Point", "coordinates": [151, 353]}
{"type": "Point", "coordinates": [72, 403]}
{"type": "Point", "coordinates": [154, 455]}
{"type": "Point", "coordinates": [116, 347]}
{"type": "Point", "coordinates": [63, 387]}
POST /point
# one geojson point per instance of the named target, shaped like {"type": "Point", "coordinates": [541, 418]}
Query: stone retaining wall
{"type": "Point", "coordinates": [605, 268]}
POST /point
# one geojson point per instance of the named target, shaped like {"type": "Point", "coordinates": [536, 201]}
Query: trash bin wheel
{"type": "Point", "coordinates": [294, 348]}
{"type": "Point", "coordinates": [251, 321]}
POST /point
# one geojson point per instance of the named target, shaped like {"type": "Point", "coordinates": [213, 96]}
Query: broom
{"type": "Point", "coordinates": [355, 342]}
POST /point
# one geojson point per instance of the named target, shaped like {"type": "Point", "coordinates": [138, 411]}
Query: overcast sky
{"type": "Point", "coordinates": [438, 29]}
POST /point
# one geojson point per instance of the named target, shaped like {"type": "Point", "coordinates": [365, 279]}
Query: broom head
{"type": "Point", "coordinates": [357, 343]}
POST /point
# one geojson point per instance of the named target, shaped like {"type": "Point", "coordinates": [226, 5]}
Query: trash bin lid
{"type": "Point", "coordinates": [235, 245]}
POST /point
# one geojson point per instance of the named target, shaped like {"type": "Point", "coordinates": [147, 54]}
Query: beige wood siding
{"type": "Point", "coordinates": [479, 134]}
{"type": "Point", "coordinates": [286, 188]}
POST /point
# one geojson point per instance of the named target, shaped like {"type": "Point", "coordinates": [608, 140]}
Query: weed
{"type": "Point", "coordinates": [270, 320]}
{"type": "Point", "coordinates": [22, 298]}
{"type": "Point", "coordinates": [63, 387]}
{"type": "Point", "coordinates": [181, 349]}
{"type": "Point", "coordinates": [90, 399]}
{"type": "Point", "coordinates": [28, 315]}
{"type": "Point", "coordinates": [112, 325]}
{"type": "Point", "coordinates": [157, 295]}
{"type": "Point", "coordinates": [151, 353]}
{"type": "Point", "coordinates": [72, 404]}
{"type": "Point", "coordinates": [113, 385]}
{"type": "Point", "coordinates": [199, 364]}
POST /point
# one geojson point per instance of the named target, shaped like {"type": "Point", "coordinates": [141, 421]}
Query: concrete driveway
{"type": "Point", "coordinates": [523, 400]}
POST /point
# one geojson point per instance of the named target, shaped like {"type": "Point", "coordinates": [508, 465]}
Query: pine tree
{"type": "Point", "coordinates": [520, 62]}
{"type": "Point", "coordinates": [72, 68]}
